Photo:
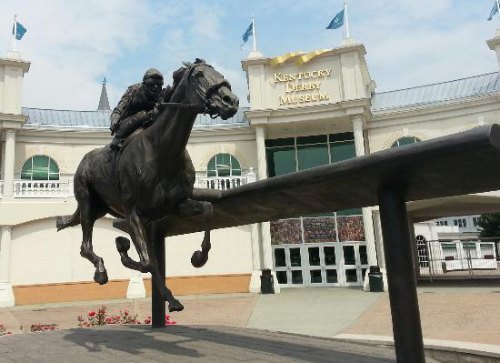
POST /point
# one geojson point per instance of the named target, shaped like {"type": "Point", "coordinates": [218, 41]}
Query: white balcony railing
{"type": "Point", "coordinates": [43, 188]}
{"type": "Point", "coordinates": [64, 188]}
{"type": "Point", "coordinates": [221, 183]}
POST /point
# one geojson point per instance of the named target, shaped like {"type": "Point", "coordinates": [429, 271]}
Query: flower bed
{"type": "Point", "coordinates": [3, 331]}
{"type": "Point", "coordinates": [42, 327]}
{"type": "Point", "coordinates": [123, 317]}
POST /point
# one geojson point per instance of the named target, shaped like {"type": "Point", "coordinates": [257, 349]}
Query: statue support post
{"type": "Point", "coordinates": [157, 302]}
{"type": "Point", "coordinates": [406, 325]}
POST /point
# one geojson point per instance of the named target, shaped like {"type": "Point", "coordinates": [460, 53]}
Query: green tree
{"type": "Point", "coordinates": [489, 225]}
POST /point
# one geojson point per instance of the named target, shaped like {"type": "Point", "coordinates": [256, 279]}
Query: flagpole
{"type": "Point", "coordinates": [498, 8]}
{"type": "Point", "coordinates": [253, 34]}
{"type": "Point", "coordinates": [14, 34]}
{"type": "Point", "coordinates": [346, 35]}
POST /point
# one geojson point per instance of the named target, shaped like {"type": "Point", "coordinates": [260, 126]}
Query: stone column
{"type": "Point", "coordinates": [359, 144]}
{"type": "Point", "coordinates": [251, 177]}
{"type": "Point", "coordinates": [6, 293]}
{"type": "Point", "coordinates": [266, 252]}
{"type": "Point", "coordinates": [9, 159]}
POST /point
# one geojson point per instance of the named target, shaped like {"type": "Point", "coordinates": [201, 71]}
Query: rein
{"type": "Point", "coordinates": [200, 107]}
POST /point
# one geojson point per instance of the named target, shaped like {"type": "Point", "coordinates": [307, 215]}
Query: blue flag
{"type": "Point", "coordinates": [337, 21]}
{"type": "Point", "coordinates": [247, 33]}
{"type": "Point", "coordinates": [19, 29]}
{"type": "Point", "coordinates": [493, 11]}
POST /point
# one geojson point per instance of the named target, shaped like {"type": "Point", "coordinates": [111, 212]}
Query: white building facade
{"type": "Point", "coordinates": [305, 110]}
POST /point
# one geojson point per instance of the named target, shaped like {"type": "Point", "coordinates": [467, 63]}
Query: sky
{"type": "Point", "coordinates": [73, 45]}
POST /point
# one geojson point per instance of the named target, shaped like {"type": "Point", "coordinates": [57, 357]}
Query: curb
{"type": "Point", "coordinates": [450, 350]}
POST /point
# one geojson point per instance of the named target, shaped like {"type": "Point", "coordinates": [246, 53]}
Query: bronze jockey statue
{"type": "Point", "coordinates": [138, 107]}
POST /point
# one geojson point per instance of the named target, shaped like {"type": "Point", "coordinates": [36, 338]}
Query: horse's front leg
{"type": "Point", "coordinates": [123, 245]}
{"type": "Point", "coordinates": [192, 207]}
{"type": "Point", "coordinates": [143, 243]}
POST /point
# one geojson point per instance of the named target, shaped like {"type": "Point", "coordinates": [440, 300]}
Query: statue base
{"type": "Point", "coordinates": [136, 289]}
{"type": "Point", "coordinates": [7, 298]}
{"type": "Point", "coordinates": [254, 286]}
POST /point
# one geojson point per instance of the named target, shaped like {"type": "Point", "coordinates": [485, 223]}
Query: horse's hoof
{"type": "Point", "coordinates": [198, 259]}
{"type": "Point", "coordinates": [175, 306]}
{"type": "Point", "coordinates": [101, 277]}
{"type": "Point", "coordinates": [122, 244]}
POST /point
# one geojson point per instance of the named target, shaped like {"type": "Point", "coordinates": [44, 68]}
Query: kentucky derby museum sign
{"type": "Point", "coordinates": [302, 87]}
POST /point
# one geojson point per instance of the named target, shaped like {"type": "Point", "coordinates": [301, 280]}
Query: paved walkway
{"type": "Point", "coordinates": [466, 314]}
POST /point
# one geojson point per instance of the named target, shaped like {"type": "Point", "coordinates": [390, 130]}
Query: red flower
{"type": "Point", "coordinates": [92, 313]}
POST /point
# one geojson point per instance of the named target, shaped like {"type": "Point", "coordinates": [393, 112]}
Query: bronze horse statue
{"type": "Point", "coordinates": [152, 176]}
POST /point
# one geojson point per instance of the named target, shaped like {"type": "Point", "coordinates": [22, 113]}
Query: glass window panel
{"type": "Point", "coordinates": [316, 277]}
{"type": "Point", "coordinates": [314, 259]}
{"type": "Point", "coordinates": [211, 164]}
{"type": "Point", "coordinates": [405, 141]}
{"type": "Point", "coordinates": [363, 273]}
{"type": "Point", "coordinates": [345, 136]}
{"type": "Point", "coordinates": [350, 212]}
{"type": "Point", "coordinates": [329, 255]}
{"type": "Point", "coordinates": [351, 275]}
{"type": "Point", "coordinates": [40, 167]}
{"type": "Point", "coordinates": [331, 276]}
{"type": "Point", "coordinates": [349, 257]}
{"type": "Point", "coordinates": [281, 161]}
{"type": "Point", "coordinates": [342, 151]}
{"type": "Point", "coordinates": [211, 173]}
{"type": "Point", "coordinates": [53, 168]}
{"type": "Point", "coordinates": [318, 139]}
{"type": "Point", "coordinates": [362, 255]}
{"type": "Point", "coordinates": [280, 142]}
{"type": "Point", "coordinates": [286, 231]}
{"type": "Point", "coordinates": [281, 276]}
{"type": "Point", "coordinates": [319, 229]}
{"type": "Point", "coordinates": [279, 257]}
{"type": "Point", "coordinates": [350, 228]}
{"type": "Point", "coordinates": [312, 156]}
{"type": "Point", "coordinates": [295, 259]}
{"type": "Point", "coordinates": [297, 277]}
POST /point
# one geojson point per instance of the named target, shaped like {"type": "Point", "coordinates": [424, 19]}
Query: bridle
{"type": "Point", "coordinates": [205, 107]}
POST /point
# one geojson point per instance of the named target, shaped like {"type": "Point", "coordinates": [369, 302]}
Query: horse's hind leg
{"type": "Point", "coordinates": [143, 241]}
{"type": "Point", "coordinates": [193, 207]}
{"type": "Point", "coordinates": [89, 213]}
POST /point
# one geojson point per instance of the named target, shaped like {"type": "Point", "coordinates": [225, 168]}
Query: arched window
{"type": "Point", "coordinates": [222, 165]}
{"type": "Point", "coordinates": [40, 167]}
{"type": "Point", "coordinates": [407, 140]}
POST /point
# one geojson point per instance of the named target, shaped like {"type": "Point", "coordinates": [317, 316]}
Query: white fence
{"type": "Point", "coordinates": [43, 188]}
{"type": "Point", "coordinates": [64, 188]}
{"type": "Point", "coordinates": [221, 183]}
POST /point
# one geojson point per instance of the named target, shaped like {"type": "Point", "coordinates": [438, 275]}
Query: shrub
{"type": "Point", "coordinates": [3, 331]}
{"type": "Point", "coordinates": [43, 327]}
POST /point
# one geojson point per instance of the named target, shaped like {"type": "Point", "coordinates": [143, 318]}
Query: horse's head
{"type": "Point", "coordinates": [203, 84]}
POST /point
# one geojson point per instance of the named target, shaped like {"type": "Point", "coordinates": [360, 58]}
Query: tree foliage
{"type": "Point", "coordinates": [489, 225]}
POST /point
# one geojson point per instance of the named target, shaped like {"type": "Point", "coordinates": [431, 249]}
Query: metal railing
{"type": "Point", "coordinates": [458, 259]}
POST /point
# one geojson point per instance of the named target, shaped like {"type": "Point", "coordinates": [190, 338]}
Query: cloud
{"type": "Point", "coordinates": [72, 45]}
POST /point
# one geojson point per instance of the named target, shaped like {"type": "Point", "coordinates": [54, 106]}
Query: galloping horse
{"type": "Point", "coordinates": [152, 176]}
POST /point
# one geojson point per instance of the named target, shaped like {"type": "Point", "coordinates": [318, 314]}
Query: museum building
{"type": "Point", "coordinates": [306, 110]}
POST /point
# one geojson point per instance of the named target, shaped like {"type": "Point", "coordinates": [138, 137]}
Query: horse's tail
{"type": "Point", "coordinates": [68, 221]}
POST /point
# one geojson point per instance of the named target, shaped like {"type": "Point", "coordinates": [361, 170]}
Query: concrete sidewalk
{"type": "Point", "coordinates": [465, 314]}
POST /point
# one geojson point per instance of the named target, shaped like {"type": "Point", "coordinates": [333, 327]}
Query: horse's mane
{"type": "Point", "coordinates": [178, 74]}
